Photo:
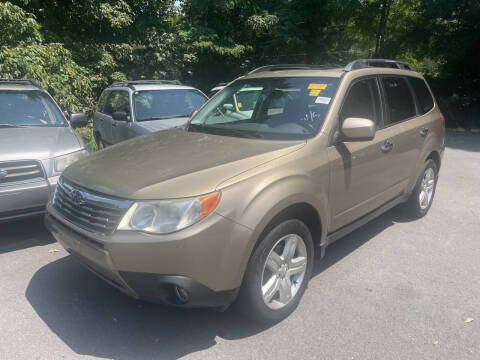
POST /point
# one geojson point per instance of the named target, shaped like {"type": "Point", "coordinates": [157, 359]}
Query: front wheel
{"type": "Point", "coordinates": [422, 195]}
{"type": "Point", "coordinates": [277, 273]}
{"type": "Point", "coordinates": [100, 143]}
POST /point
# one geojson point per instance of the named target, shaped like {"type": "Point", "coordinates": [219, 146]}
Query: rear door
{"type": "Point", "coordinates": [409, 127]}
{"type": "Point", "coordinates": [361, 177]}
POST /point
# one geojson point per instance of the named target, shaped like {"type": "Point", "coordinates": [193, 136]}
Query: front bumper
{"type": "Point", "coordinates": [26, 199]}
{"type": "Point", "coordinates": [207, 260]}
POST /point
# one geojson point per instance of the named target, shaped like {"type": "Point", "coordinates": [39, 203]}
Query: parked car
{"type": "Point", "coordinates": [131, 108]}
{"type": "Point", "coordinates": [216, 89]}
{"type": "Point", "coordinates": [235, 208]}
{"type": "Point", "coordinates": [36, 145]}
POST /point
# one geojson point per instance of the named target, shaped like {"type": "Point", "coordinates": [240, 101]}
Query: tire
{"type": "Point", "coordinates": [259, 277]}
{"type": "Point", "coordinates": [100, 143]}
{"type": "Point", "coordinates": [422, 195]}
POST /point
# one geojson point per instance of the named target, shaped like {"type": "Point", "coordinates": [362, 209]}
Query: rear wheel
{"type": "Point", "coordinates": [422, 195]}
{"type": "Point", "coordinates": [277, 273]}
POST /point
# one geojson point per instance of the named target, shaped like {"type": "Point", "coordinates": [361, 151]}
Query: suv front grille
{"type": "Point", "coordinates": [20, 171]}
{"type": "Point", "coordinates": [89, 211]}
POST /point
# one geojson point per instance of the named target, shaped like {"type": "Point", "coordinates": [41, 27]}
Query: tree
{"type": "Point", "coordinates": [24, 55]}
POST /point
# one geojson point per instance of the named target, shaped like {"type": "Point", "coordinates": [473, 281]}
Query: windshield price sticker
{"type": "Point", "coordinates": [314, 86]}
{"type": "Point", "coordinates": [322, 100]}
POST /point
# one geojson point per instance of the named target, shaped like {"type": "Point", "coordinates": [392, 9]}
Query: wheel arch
{"type": "Point", "coordinates": [302, 211]}
{"type": "Point", "coordinates": [435, 156]}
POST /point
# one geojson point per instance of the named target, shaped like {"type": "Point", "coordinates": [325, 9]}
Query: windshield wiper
{"type": "Point", "coordinates": [12, 126]}
{"type": "Point", "coordinates": [163, 117]}
{"type": "Point", "coordinates": [155, 118]}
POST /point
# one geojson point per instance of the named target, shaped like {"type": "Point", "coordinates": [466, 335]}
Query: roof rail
{"type": "Point", "coordinates": [289, 67]}
{"type": "Point", "coordinates": [21, 82]}
{"type": "Point", "coordinates": [385, 63]}
{"type": "Point", "coordinates": [131, 83]}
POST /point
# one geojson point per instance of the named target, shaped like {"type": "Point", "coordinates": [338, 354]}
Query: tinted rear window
{"type": "Point", "coordinates": [399, 99]}
{"type": "Point", "coordinates": [424, 97]}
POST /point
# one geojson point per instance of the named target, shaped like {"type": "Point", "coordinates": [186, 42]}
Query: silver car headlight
{"type": "Point", "coordinates": [168, 216]}
{"type": "Point", "coordinates": [64, 161]}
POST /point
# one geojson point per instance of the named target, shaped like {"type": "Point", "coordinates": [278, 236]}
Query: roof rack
{"type": "Point", "coordinates": [131, 83]}
{"type": "Point", "coordinates": [21, 82]}
{"type": "Point", "coordinates": [385, 63]}
{"type": "Point", "coordinates": [290, 67]}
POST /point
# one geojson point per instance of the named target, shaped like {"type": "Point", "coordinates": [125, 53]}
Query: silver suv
{"type": "Point", "coordinates": [36, 145]}
{"type": "Point", "coordinates": [132, 108]}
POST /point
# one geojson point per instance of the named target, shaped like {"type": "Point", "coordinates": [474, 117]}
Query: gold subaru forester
{"type": "Point", "coordinates": [276, 166]}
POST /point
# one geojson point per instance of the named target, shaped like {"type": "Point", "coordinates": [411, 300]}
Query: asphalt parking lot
{"type": "Point", "coordinates": [394, 289]}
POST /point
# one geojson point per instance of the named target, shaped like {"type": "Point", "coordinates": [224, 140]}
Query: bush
{"type": "Point", "coordinates": [87, 134]}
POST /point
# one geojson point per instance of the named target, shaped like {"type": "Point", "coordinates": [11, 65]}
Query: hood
{"type": "Point", "coordinates": [164, 124]}
{"type": "Point", "coordinates": [173, 164]}
{"type": "Point", "coordinates": [37, 143]}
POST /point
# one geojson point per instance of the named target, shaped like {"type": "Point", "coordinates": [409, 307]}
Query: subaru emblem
{"type": "Point", "coordinates": [77, 198]}
{"type": "Point", "coordinates": [3, 173]}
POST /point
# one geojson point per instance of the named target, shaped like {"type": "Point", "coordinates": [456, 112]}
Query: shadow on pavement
{"type": "Point", "coordinates": [467, 141]}
{"type": "Point", "coordinates": [95, 319]}
{"type": "Point", "coordinates": [22, 234]}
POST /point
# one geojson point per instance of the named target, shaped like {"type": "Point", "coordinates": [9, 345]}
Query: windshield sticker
{"type": "Point", "coordinates": [314, 92]}
{"type": "Point", "coordinates": [239, 105]}
{"type": "Point", "coordinates": [314, 86]}
{"type": "Point", "coordinates": [322, 100]}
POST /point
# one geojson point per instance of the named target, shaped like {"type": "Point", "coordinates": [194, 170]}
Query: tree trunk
{"type": "Point", "coordinates": [382, 28]}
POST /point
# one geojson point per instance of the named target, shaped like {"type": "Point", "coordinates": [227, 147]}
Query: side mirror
{"type": "Point", "coordinates": [358, 129]}
{"type": "Point", "coordinates": [228, 107]}
{"type": "Point", "coordinates": [120, 116]}
{"type": "Point", "coordinates": [78, 120]}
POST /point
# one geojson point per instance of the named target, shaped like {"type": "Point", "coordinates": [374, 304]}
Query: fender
{"type": "Point", "coordinates": [429, 147]}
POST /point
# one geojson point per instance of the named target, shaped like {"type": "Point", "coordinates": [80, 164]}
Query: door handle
{"type": "Point", "coordinates": [114, 124]}
{"type": "Point", "coordinates": [424, 131]}
{"type": "Point", "coordinates": [387, 146]}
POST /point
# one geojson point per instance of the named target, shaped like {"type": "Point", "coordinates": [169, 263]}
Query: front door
{"type": "Point", "coordinates": [361, 171]}
{"type": "Point", "coordinates": [119, 101]}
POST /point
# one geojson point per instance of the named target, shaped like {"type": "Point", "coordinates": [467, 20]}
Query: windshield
{"type": "Point", "coordinates": [165, 104]}
{"type": "Point", "coordinates": [270, 108]}
{"type": "Point", "coordinates": [29, 108]}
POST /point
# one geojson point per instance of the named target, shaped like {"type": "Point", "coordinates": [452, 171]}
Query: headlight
{"type": "Point", "coordinates": [64, 161]}
{"type": "Point", "coordinates": [167, 216]}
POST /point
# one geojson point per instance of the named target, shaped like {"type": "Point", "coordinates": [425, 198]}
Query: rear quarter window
{"type": "Point", "coordinates": [424, 96]}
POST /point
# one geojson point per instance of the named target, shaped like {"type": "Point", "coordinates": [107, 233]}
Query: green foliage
{"type": "Point", "coordinates": [17, 27]}
{"type": "Point", "coordinates": [76, 48]}
{"type": "Point", "coordinates": [87, 134]}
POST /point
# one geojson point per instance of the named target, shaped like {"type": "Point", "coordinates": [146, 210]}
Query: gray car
{"type": "Point", "coordinates": [36, 144]}
{"type": "Point", "coordinates": [132, 108]}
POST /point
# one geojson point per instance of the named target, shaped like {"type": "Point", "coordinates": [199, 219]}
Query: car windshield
{"type": "Point", "coordinates": [270, 108]}
{"type": "Point", "coordinates": [165, 104]}
{"type": "Point", "coordinates": [29, 108]}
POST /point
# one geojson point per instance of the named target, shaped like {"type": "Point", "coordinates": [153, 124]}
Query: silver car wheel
{"type": "Point", "coordinates": [284, 271]}
{"type": "Point", "coordinates": [426, 188]}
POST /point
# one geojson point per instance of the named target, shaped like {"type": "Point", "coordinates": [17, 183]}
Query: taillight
{"type": "Point", "coordinates": [443, 119]}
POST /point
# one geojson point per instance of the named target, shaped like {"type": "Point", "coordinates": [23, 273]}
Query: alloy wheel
{"type": "Point", "coordinates": [284, 271]}
{"type": "Point", "coordinates": [426, 188]}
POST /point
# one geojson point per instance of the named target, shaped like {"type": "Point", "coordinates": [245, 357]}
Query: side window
{"type": "Point", "coordinates": [424, 97]}
{"type": "Point", "coordinates": [117, 101]}
{"type": "Point", "coordinates": [399, 99]}
{"type": "Point", "coordinates": [101, 101]}
{"type": "Point", "coordinates": [362, 101]}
